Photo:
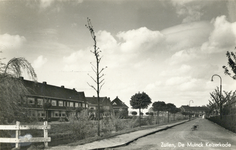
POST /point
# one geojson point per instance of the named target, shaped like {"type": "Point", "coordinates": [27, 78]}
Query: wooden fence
{"type": "Point", "coordinates": [19, 139]}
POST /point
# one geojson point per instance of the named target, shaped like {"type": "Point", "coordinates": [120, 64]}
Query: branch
{"type": "Point", "coordinates": [92, 86]}
{"type": "Point", "coordinates": [92, 78]}
{"type": "Point", "coordinates": [101, 86]}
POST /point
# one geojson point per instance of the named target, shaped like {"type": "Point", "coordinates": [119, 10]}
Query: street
{"type": "Point", "coordinates": [207, 136]}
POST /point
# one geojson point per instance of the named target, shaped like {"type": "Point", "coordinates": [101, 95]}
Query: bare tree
{"type": "Point", "coordinates": [99, 80]}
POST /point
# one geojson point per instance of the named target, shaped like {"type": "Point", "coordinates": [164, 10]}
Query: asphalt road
{"type": "Point", "coordinates": [208, 136]}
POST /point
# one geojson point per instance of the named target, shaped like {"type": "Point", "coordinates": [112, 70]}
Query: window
{"type": "Point", "coordinates": [76, 105]}
{"type": "Point", "coordinates": [63, 114]}
{"type": "Point", "coordinates": [60, 103]}
{"type": "Point", "coordinates": [68, 104]}
{"type": "Point", "coordinates": [41, 114]}
{"type": "Point", "coordinates": [40, 101]}
{"type": "Point", "coordinates": [106, 107]}
{"type": "Point", "coordinates": [56, 114]}
{"type": "Point", "coordinates": [71, 104]}
{"type": "Point", "coordinates": [54, 103]}
{"type": "Point", "coordinates": [83, 105]}
{"type": "Point", "coordinates": [30, 100]}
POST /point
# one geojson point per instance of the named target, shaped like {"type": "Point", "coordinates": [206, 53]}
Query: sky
{"type": "Point", "coordinates": [168, 49]}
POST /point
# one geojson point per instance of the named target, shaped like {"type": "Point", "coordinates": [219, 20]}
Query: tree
{"type": "Point", "coordinates": [140, 101]}
{"type": "Point", "coordinates": [12, 89]}
{"type": "Point", "coordinates": [99, 72]}
{"type": "Point", "coordinates": [170, 108]}
{"type": "Point", "coordinates": [215, 102]}
{"type": "Point", "coordinates": [158, 106]}
{"type": "Point", "coordinates": [231, 63]}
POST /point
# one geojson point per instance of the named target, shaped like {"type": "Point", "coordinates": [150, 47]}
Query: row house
{"type": "Point", "coordinates": [44, 100]}
{"type": "Point", "coordinates": [196, 111]}
{"type": "Point", "coordinates": [120, 108]}
{"type": "Point", "coordinates": [105, 106]}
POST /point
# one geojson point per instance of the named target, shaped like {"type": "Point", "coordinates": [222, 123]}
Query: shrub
{"type": "Point", "coordinates": [81, 126]}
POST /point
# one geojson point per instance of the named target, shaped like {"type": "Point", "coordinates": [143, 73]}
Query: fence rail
{"type": "Point", "coordinates": [19, 139]}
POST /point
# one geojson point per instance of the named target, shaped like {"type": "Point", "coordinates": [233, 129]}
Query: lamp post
{"type": "Point", "coordinates": [189, 107]}
{"type": "Point", "coordinates": [220, 93]}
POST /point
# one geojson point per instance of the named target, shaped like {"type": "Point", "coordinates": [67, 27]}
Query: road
{"type": "Point", "coordinates": [208, 136]}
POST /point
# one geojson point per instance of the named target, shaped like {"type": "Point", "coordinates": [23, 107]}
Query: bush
{"type": "Point", "coordinates": [227, 121]}
{"type": "Point", "coordinates": [81, 126]}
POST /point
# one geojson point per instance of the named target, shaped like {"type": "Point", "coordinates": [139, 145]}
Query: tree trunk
{"type": "Point", "coordinates": [139, 117]}
{"type": "Point", "coordinates": [168, 116]}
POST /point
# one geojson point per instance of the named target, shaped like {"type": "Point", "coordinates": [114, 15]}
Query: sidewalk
{"type": "Point", "coordinates": [118, 140]}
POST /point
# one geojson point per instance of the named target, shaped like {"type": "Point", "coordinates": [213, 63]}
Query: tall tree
{"type": "Point", "coordinates": [12, 89]}
{"type": "Point", "coordinates": [158, 106]}
{"type": "Point", "coordinates": [140, 101]}
{"type": "Point", "coordinates": [170, 108]}
{"type": "Point", "coordinates": [231, 63]}
{"type": "Point", "coordinates": [96, 68]}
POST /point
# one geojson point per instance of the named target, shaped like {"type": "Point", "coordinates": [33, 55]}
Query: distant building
{"type": "Point", "coordinates": [63, 101]}
{"type": "Point", "coordinates": [105, 106]}
{"type": "Point", "coordinates": [119, 108]}
{"type": "Point", "coordinates": [196, 111]}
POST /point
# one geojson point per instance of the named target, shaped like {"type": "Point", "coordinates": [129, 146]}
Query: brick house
{"type": "Point", "coordinates": [105, 106]}
{"type": "Point", "coordinates": [64, 102]}
{"type": "Point", "coordinates": [196, 111]}
{"type": "Point", "coordinates": [120, 108]}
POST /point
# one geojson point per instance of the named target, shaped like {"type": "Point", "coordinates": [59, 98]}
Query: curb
{"type": "Point", "coordinates": [130, 141]}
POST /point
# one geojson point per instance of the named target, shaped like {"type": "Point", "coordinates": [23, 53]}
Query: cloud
{"type": "Point", "coordinates": [39, 62]}
{"type": "Point", "coordinates": [8, 41]}
{"type": "Point", "coordinates": [187, 35]}
{"type": "Point", "coordinates": [184, 56]}
{"type": "Point", "coordinates": [190, 9]}
{"type": "Point", "coordinates": [141, 39]}
{"type": "Point", "coordinates": [222, 38]}
{"type": "Point", "coordinates": [47, 3]}
{"type": "Point", "coordinates": [231, 4]}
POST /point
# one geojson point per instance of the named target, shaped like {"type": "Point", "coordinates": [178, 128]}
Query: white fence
{"type": "Point", "coordinates": [19, 127]}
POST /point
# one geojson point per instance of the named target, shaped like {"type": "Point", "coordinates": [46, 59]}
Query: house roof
{"type": "Point", "coordinates": [51, 91]}
{"type": "Point", "coordinates": [196, 108]}
{"type": "Point", "coordinates": [103, 100]}
{"type": "Point", "coordinates": [118, 102]}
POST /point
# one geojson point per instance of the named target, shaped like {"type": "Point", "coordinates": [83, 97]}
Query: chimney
{"type": "Point", "coordinates": [62, 86]}
{"type": "Point", "coordinates": [74, 89]}
{"type": "Point", "coordinates": [44, 82]}
{"type": "Point", "coordinates": [21, 78]}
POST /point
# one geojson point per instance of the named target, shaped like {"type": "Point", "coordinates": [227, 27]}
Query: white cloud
{"type": "Point", "coordinates": [141, 39]}
{"type": "Point", "coordinates": [184, 56]}
{"type": "Point", "coordinates": [8, 41]}
{"type": "Point", "coordinates": [39, 62]}
{"type": "Point", "coordinates": [222, 38]}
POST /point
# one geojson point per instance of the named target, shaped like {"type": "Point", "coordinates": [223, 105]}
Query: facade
{"type": "Point", "coordinates": [196, 111]}
{"type": "Point", "coordinates": [52, 101]}
{"type": "Point", "coordinates": [105, 106]}
{"type": "Point", "coordinates": [119, 108]}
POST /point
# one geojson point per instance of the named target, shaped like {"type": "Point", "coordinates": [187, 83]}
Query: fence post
{"type": "Point", "coordinates": [17, 134]}
{"type": "Point", "coordinates": [45, 132]}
